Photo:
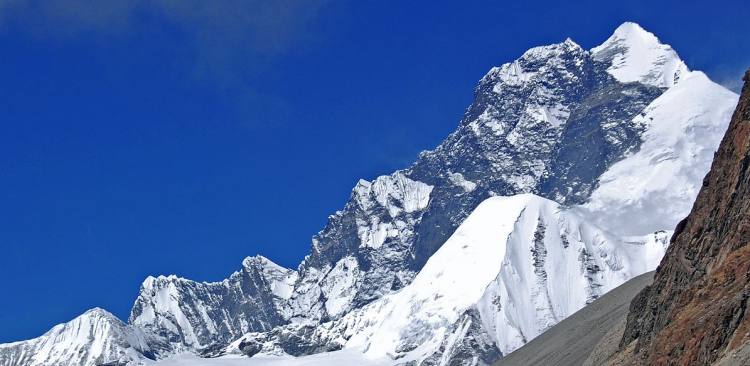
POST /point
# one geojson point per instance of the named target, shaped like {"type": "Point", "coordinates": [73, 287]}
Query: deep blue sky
{"type": "Point", "coordinates": [172, 137]}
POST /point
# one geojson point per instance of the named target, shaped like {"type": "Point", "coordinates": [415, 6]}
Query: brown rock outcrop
{"type": "Point", "coordinates": [698, 308]}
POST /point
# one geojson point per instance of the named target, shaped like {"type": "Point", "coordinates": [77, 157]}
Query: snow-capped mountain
{"type": "Point", "coordinates": [599, 148]}
{"type": "Point", "coordinates": [549, 123]}
{"type": "Point", "coordinates": [196, 315]}
{"type": "Point", "coordinates": [554, 123]}
{"type": "Point", "coordinates": [94, 338]}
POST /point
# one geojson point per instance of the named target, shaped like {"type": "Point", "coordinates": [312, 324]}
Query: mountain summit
{"type": "Point", "coordinates": [636, 55]}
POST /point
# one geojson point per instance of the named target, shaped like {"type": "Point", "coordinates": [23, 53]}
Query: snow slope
{"type": "Point", "coordinates": [654, 188]}
{"type": "Point", "coordinates": [524, 262]}
{"type": "Point", "coordinates": [636, 55]}
{"type": "Point", "coordinates": [337, 358]}
{"type": "Point", "coordinates": [195, 315]}
{"type": "Point", "coordinates": [515, 267]}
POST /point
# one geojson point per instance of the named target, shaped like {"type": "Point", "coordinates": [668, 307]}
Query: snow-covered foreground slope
{"type": "Point", "coordinates": [523, 262]}
{"type": "Point", "coordinates": [338, 358]}
{"type": "Point", "coordinates": [515, 267]}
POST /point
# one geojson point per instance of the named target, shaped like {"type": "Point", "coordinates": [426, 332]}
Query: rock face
{"type": "Point", "coordinates": [196, 315]}
{"type": "Point", "coordinates": [698, 308]}
{"type": "Point", "coordinates": [362, 254]}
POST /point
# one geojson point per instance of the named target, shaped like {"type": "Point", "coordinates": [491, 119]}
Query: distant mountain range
{"type": "Point", "coordinates": [562, 181]}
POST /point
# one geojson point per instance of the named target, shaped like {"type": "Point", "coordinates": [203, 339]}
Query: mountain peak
{"type": "Point", "coordinates": [569, 42]}
{"type": "Point", "coordinates": [703, 278]}
{"type": "Point", "coordinates": [632, 29]}
{"type": "Point", "coordinates": [636, 55]}
{"type": "Point", "coordinates": [256, 260]}
{"type": "Point", "coordinates": [95, 337]}
{"type": "Point", "coordinates": [263, 264]}
{"type": "Point", "coordinates": [150, 282]}
{"type": "Point", "coordinates": [98, 312]}
{"type": "Point", "coordinates": [552, 50]}
{"type": "Point", "coordinates": [534, 62]}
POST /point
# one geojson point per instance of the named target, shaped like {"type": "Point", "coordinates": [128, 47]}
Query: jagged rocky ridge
{"type": "Point", "coordinates": [556, 123]}
{"type": "Point", "coordinates": [198, 315]}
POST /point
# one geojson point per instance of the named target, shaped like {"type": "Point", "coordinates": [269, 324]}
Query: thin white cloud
{"type": "Point", "coordinates": [221, 33]}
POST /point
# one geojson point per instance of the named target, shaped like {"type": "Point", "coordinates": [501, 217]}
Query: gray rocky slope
{"type": "Point", "coordinates": [549, 123]}
{"type": "Point", "coordinates": [572, 341]}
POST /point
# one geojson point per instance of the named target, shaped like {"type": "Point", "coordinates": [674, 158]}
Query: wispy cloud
{"type": "Point", "coordinates": [226, 42]}
{"type": "Point", "coordinates": [266, 26]}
